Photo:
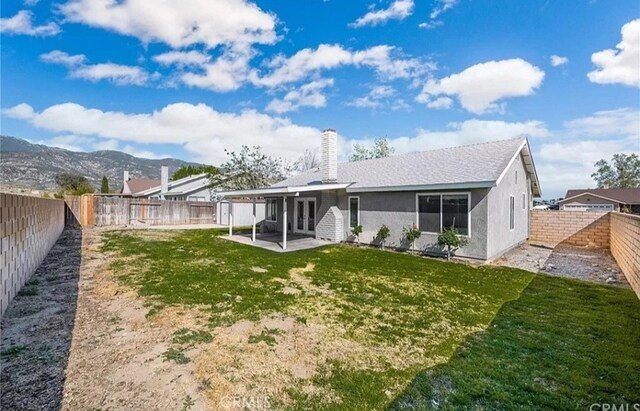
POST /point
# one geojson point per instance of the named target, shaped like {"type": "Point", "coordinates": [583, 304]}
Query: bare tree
{"type": "Point", "coordinates": [308, 161]}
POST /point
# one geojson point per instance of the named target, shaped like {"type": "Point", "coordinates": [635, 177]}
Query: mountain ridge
{"type": "Point", "coordinates": [34, 166]}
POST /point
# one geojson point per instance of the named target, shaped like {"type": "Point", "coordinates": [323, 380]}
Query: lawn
{"type": "Point", "coordinates": [343, 328]}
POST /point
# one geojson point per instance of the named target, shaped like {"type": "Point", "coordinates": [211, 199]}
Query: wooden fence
{"type": "Point", "coordinates": [92, 210]}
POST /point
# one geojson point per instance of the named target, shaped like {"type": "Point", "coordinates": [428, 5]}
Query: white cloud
{"type": "Point", "coordinates": [558, 60]}
{"type": "Point", "coordinates": [619, 122]}
{"type": "Point", "coordinates": [441, 7]}
{"type": "Point", "coordinates": [202, 131]}
{"type": "Point", "coordinates": [22, 23]}
{"type": "Point", "coordinates": [307, 95]}
{"type": "Point", "coordinates": [178, 23]}
{"type": "Point", "coordinates": [325, 56]}
{"type": "Point", "coordinates": [429, 25]}
{"type": "Point", "coordinates": [182, 58]}
{"type": "Point", "coordinates": [60, 57]}
{"type": "Point", "coordinates": [479, 88]}
{"type": "Point", "coordinates": [229, 72]}
{"type": "Point", "coordinates": [30, 2]}
{"type": "Point", "coordinates": [440, 103]}
{"type": "Point", "coordinates": [622, 65]}
{"type": "Point", "coordinates": [375, 98]}
{"type": "Point", "coordinates": [398, 10]}
{"type": "Point", "coordinates": [116, 73]}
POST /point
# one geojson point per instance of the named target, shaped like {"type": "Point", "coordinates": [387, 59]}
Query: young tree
{"type": "Point", "coordinates": [411, 235]}
{"type": "Point", "coordinates": [248, 169]}
{"type": "Point", "coordinates": [189, 170]}
{"type": "Point", "coordinates": [622, 172]}
{"type": "Point", "coordinates": [450, 239]}
{"type": "Point", "coordinates": [383, 234]}
{"type": "Point", "coordinates": [356, 231]}
{"type": "Point", "coordinates": [104, 187]}
{"type": "Point", "coordinates": [308, 161]}
{"type": "Point", "coordinates": [381, 148]}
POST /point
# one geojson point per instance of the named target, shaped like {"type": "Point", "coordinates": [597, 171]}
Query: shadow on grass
{"type": "Point", "coordinates": [563, 344]}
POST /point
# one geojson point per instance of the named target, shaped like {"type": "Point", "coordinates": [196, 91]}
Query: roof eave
{"type": "Point", "coordinates": [425, 187]}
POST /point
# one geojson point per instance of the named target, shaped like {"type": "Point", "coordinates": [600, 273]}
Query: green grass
{"type": "Point", "coordinates": [176, 356]}
{"type": "Point", "coordinates": [13, 351]}
{"type": "Point", "coordinates": [267, 336]}
{"type": "Point", "coordinates": [465, 337]}
{"type": "Point", "coordinates": [187, 336]}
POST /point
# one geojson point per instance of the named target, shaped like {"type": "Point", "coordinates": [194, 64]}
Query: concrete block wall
{"type": "Point", "coordinates": [581, 228]}
{"type": "Point", "coordinates": [29, 227]}
{"type": "Point", "coordinates": [625, 246]}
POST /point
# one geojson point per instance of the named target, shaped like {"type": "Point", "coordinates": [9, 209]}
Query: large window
{"type": "Point", "coordinates": [354, 212]}
{"type": "Point", "coordinates": [438, 211]}
{"type": "Point", "coordinates": [512, 212]}
{"type": "Point", "coordinates": [272, 209]}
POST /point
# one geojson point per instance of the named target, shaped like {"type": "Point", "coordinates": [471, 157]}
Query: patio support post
{"type": "Point", "coordinates": [230, 217]}
{"type": "Point", "coordinates": [253, 233]}
{"type": "Point", "coordinates": [284, 223]}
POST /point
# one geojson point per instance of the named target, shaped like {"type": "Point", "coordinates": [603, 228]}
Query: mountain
{"type": "Point", "coordinates": [27, 165]}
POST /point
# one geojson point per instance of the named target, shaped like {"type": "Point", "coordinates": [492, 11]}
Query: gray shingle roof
{"type": "Point", "coordinates": [473, 163]}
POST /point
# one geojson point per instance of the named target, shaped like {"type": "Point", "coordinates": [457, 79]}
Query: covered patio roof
{"type": "Point", "coordinates": [281, 191]}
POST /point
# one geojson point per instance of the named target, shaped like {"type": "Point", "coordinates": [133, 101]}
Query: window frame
{"type": "Point", "coordinates": [358, 217]}
{"type": "Point", "coordinates": [275, 206]}
{"type": "Point", "coordinates": [512, 212]}
{"type": "Point", "coordinates": [440, 194]}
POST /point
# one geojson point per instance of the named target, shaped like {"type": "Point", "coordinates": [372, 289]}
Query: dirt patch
{"type": "Point", "coordinates": [583, 263]}
{"type": "Point", "coordinates": [299, 283]}
{"type": "Point", "coordinates": [259, 270]}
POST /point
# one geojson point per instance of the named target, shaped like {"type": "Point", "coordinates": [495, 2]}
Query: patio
{"type": "Point", "coordinates": [273, 241]}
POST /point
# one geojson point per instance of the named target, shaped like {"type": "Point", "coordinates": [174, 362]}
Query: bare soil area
{"type": "Point", "coordinates": [84, 343]}
{"type": "Point", "coordinates": [583, 263]}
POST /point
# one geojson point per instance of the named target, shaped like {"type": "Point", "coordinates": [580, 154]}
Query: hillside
{"type": "Point", "coordinates": [34, 166]}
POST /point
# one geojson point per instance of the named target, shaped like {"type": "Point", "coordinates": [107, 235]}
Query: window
{"type": "Point", "coordinates": [524, 201]}
{"type": "Point", "coordinates": [438, 211]}
{"type": "Point", "coordinates": [272, 209]}
{"type": "Point", "coordinates": [516, 176]}
{"type": "Point", "coordinates": [512, 214]}
{"type": "Point", "coordinates": [196, 198]}
{"type": "Point", "coordinates": [354, 212]}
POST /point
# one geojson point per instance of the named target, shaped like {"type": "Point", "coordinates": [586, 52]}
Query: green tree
{"type": "Point", "coordinates": [104, 187]}
{"type": "Point", "coordinates": [411, 235]}
{"type": "Point", "coordinates": [189, 170]}
{"type": "Point", "coordinates": [383, 234]}
{"type": "Point", "coordinates": [73, 184]}
{"type": "Point", "coordinates": [250, 168]}
{"type": "Point", "coordinates": [622, 172]}
{"type": "Point", "coordinates": [451, 240]}
{"type": "Point", "coordinates": [381, 148]}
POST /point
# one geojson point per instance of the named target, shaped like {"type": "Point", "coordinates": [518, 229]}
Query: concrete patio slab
{"type": "Point", "coordinates": [273, 241]}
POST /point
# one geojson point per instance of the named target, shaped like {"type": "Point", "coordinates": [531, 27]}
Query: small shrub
{"type": "Point", "coordinates": [356, 231]}
{"type": "Point", "coordinates": [451, 240]}
{"type": "Point", "coordinates": [187, 336]}
{"type": "Point", "coordinates": [187, 403]}
{"type": "Point", "coordinates": [176, 356]}
{"type": "Point", "coordinates": [411, 235]}
{"type": "Point", "coordinates": [383, 234]}
{"type": "Point", "coordinates": [28, 290]}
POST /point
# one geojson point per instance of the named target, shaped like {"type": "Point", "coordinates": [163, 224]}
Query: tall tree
{"type": "Point", "coordinates": [104, 187]}
{"type": "Point", "coordinates": [381, 148]}
{"type": "Point", "coordinates": [250, 168]}
{"type": "Point", "coordinates": [308, 161]}
{"type": "Point", "coordinates": [622, 172]}
{"type": "Point", "coordinates": [189, 170]}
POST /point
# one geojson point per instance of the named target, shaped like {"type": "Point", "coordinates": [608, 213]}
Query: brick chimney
{"type": "Point", "coordinates": [164, 180]}
{"type": "Point", "coordinates": [329, 161]}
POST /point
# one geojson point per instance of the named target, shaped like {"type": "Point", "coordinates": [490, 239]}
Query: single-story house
{"type": "Point", "coordinates": [484, 190]}
{"type": "Point", "coordinates": [191, 188]}
{"type": "Point", "coordinates": [602, 199]}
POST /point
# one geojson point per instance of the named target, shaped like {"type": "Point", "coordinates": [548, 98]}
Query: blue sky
{"type": "Point", "coordinates": [190, 78]}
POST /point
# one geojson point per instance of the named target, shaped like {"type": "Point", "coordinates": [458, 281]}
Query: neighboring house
{"type": "Point", "coordinates": [484, 190]}
{"type": "Point", "coordinates": [191, 188]}
{"type": "Point", "coordinates": [602, 199]}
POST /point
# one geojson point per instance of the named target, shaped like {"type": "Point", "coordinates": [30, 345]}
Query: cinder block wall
{"type": "Point", "coordinates": [582, 228]}
{"type": "Point", "coordinates": [29, 227]}
{"type": "Point", "coordinates": [625, 246]}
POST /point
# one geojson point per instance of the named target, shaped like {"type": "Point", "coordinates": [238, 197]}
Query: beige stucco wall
{"type": "Point", "coordinates": [582, 228]}
{"type": "Point", "coordinates": [625, 246]}
{"type": "Point", "coordinates": [29, 227]}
